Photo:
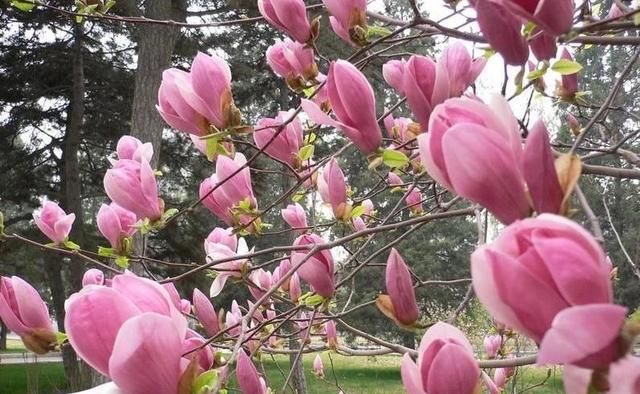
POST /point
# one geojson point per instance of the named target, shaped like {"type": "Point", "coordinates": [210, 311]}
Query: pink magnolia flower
{"type": "Point", "coordinates": [501, 23]}
{"type": "Point", "coordinates": [474, 150]}
{"type": "Point", "coordinates": [462, 70]}
{"type": "Point", "coordinates": [574, 124]}
{"type": "Point", "coordinates": [132, 185]}
{"type": "Point", "coordinates": [399, 303]}
{"type": "Point", "coordinates": [131, 148]}
{"type": "Point", "coordinates": [228, 194]}
{"type": "Point", "coordinates": [549, 278]}
{"type": "Point", "coordinates": [95, 317]}
{"type": "Point", "coordinates": [332, 334]}
{"type": "Point", "coordinates": [249, 380]}
{"type": "Point", "coordinates": [224, 236]}
{"type": "Point", "coordinates": [295, 216]}
{"type": "Point", "coordinates": [281, 270]}
{"type": "Point", "coordinates": [318, 269]}
{"type": "Point", "coordinates": [492, 344]}
{"type": "Point", "coordinates": [293, 61]}
{"type": "Point", "coordinates": [615, 11]}
{"type": "Point", "coordinates": [426, 83]}
{"type": "Point", "coordinates": [294, 287]}
{"type": "Point", "coordinates": [116, 223]}
{"type": "Point", "coordinates": [358, 224]}
{"type": "Point", "coordinates": [624, 378]}
{"type": "Point", "coordinates": [286, 145]}
{"type": "Point", "coordinates": [318, 367]}
{"type": "Point", "coordinates": [568, 84]}
{"type": "Point", "coordinates": [205, 313]}
{"type": "Point", "coordinates": [414, 201]}
{"type": "Point", "coordinates": [93, 277]}
{"type": "Point", "coordinates": [262, 280]}
{"type": "Point", "coordinates": [228, 269]}
{"type": "Point", "coordinates": [394, 180]}
{"type": "Point", "coordinates": [192, 101]}
{"type": "Point", "coordinates": [501, 375]}
{"type": "Point", "coordinates": [348, 19]}
{"type": "Point", "coordinates": [24, 312]}
{"type": "Point", "coordinates": [54, 222]}
{"type": "Point", "coordinates": [401, 129]}
{"type": "Point", "coordinates": [147, 355]}
{"type": "Point", "coordinates": [543, 45]}
{"type": "Point", "coordinates": [445, 364]}
{"type": "Point", "coordinates": [289, 16]}
{"type": "Point", "coordinates": [195, 348]}
{"type": "Point", "coordinates": [333, 189]}
{"type": "Point", "coordinates": [173, 106]}
{"type": "Point", "coordinates": [354, 105]}
{"type": "Point", "coordinates": [233, 319]}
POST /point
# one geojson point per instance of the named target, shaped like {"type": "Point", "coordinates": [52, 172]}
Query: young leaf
{"type": "Point", "coordinates": [357, 211]}
{"type": "Point", "coordinates": [394, 159]}
{"type": "Point", "coordinates": [566, 67]}
{"type": "Point", "coordinates": [122, 261]}
{"type": "Point", "coordinates": [306, 152]}
{"type": "Point", "coordinates": [105, 252]}
{"type": "Point", "coordinates": [25, 6]}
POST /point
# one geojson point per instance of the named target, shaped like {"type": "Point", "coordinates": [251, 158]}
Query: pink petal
{"type": "Point", "coordinates": [94, 317]}
{"type": "Point", "coordinates": [410, 376]}
{"type": "Point", "coordinates": [580, 332]}
{"type": "Point", "coordinates": [539, 171]}
{"type": "Point", "coordinates": [577, 277]}
{"type": "Point", "coordinates": [453, 371]}
{"type": "Point", "coordinates": [482, 168]}
{"type": "Point", "coordinates": [316, 114]}
{"type": "Point", "coordinates": [147, 355]}
{"type": "Point", "coordinates": [502, 31]}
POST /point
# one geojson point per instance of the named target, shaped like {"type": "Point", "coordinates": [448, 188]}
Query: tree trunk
{"type": "Point", "coordinates": [72, 202]}
{"type": "Point", "coordinates": [155, 47]}
{"type": "Point", "coordinates": [3, 336]}
{"type": "Point", "coordinates": [298, 380]}
{"type": "Point", "coordinates": [53, 268]}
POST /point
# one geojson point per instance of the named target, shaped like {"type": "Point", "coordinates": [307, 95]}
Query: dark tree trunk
{"type": "Point", "coordinates": [3, 336]}
{"type": "Point", "coordinates": [408, 340]}
{"type": "Point", "coordinates": [155, 47]}
{"type": "Point", "coordinates": [53, 267]}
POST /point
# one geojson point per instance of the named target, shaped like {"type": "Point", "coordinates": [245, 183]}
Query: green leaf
{"type": "Point", "coordinates": [1, 224]}
{"type": "Point", "coordinates": [205, 383]}
{"type": "Point", "coordinates": [379, 31]}
{"type": "Point", "coordinates": [566, 67]}
{"type": "Point", "coordinates": [61, 337]}
{"type": "Point", "coordinates": [105, 252]}
{"type": "Point", "coordinates": [71, 245]}
{"type": "Point", "coordinates": [535, 74]}
{"type": "Point", "coordinates": [109, 5]}
{"type": "Point", "coordinates": [122, 261]}
{"type": "Point", "coordinates": [310, 138]}
{"type": "Point", "coordinates": [528, 29]}
{"type": "Point", "coordinates": [298, 196]}
{"type": "Point", "coordinates": [168, 214]}
{"type": "Point", "coordinates": [212, 148]}
{"type": "Point", "coordinates": [24, 6]}
{"type": "Point", "coordinates": [394, 159]}
{"type": "Point", "coordinates": [309, 299]}
{"type": "Point", "coordinates": [308, 91]}
{"type": "Point", "coordinates": [306, 152]}
{"type": "Point", "coordinates": [357, 211]}
{"type": "Point", "coordinates": [636, 19]}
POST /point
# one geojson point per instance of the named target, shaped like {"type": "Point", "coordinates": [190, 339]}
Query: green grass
{"type": "Point", "coordinates": [373, 375]}
{"type": "Point", "coordinates": [32, 378]}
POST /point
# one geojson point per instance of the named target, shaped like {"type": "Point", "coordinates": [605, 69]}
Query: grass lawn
{"type": "Point", "coordinates": [374, 375]}
{"type": "Point", "coordinates": [47, 378]}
